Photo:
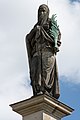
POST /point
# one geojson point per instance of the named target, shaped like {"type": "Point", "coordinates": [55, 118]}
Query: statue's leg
{"type": "Point", "coordinates": [48, 72]}
{"type": "Point", "coordinates": [47, 65]}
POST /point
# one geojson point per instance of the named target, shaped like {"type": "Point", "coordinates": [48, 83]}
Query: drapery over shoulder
{"type": "Point", "coordinates": [36, 31]}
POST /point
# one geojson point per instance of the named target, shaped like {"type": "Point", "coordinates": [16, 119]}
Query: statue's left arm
{"type": "Point", "coordinates": [59, 38]}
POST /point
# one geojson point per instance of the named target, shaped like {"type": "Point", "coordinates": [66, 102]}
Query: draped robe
{"type": "Point", "coordinates": [42, 56]}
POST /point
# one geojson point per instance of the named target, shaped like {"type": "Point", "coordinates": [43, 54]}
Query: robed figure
{"type": "Point", "coordinates": [42, 55]}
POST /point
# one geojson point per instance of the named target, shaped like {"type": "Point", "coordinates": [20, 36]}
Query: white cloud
{"type": "Point", "coordinates": [16, 20]}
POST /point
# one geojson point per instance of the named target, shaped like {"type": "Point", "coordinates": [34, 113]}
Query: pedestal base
{"type": "Point", "coordinates": [42, 107]}
{"type": "Point", "coordinates": [41, 115]}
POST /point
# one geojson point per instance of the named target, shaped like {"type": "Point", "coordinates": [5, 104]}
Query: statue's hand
{"type": "Point", "coordinates": [46, 26]}
{"type": "Point", "coordinates": [58, 43]}
{"type": "Point", "coordinates": [38, 31]}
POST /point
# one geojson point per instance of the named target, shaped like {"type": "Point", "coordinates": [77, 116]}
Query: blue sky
{"type": "Point", "coordinates": [75, 0]}
{"type": "Point", "coordinates": [70, 95]}
{"type": "Point", "coordinates": [17, 17]}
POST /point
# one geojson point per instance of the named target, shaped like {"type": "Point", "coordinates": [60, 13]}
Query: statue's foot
{"type": "Point", "coordinates": [57, 96]}
{"type": "Point", "coordinates": [40, 93]}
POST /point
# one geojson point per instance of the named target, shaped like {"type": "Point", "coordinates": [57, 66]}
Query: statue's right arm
{"type": "Point", "coordinates": [28, 39]}
{"type": "Point", "coordinates": [31, 34]}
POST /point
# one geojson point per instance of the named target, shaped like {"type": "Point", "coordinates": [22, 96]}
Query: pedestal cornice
{"type": "Point", "coordinates": [49, 105]}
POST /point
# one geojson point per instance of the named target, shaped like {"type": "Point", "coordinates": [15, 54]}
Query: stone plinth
{"type": "Point", "coordinates": [41, 107]}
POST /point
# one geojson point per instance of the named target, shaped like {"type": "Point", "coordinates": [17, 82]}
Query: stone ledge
{"type": "Point", "coordinates": [49, 105]}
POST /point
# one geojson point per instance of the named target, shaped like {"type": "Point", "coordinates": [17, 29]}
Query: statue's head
{"type": "Point", "coordinates": [43, 13]}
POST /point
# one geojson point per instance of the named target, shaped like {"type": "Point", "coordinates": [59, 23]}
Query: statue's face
{"type": "Point", "coordinates": [43, 13]}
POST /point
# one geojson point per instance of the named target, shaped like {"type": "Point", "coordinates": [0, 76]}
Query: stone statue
{"type": "Point", "coordinates": [40, 43]}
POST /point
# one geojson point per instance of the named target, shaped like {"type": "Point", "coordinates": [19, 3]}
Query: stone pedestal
{"type": "Point", "coordinates": [41, 107]}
